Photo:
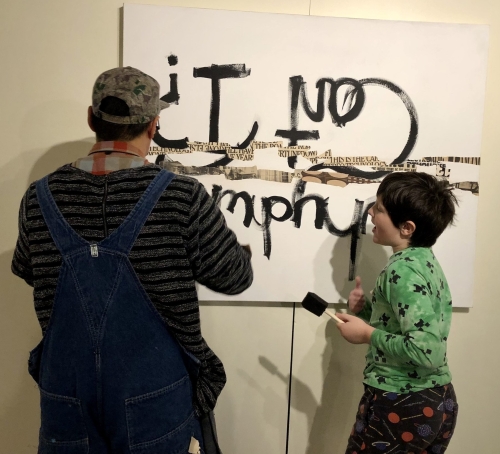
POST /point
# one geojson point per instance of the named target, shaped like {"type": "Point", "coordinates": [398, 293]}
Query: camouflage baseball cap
{"type": "Point", "coordinates": [140, 91]}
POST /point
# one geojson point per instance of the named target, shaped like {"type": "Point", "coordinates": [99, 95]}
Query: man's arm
{"type": "Point", "coordinates": [219, 262]}
{"type": "Point", "coordinates": [21, 261]}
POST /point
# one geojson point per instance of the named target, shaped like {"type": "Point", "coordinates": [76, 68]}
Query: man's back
{"type": "Point", "coordinates": [112, 378]}
{"type": "Point", "coordinates": [183, 240]}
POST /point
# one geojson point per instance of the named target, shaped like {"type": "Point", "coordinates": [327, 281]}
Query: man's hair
{"type": "Point", "coordinates": [105, 130]}
{"type": "Point", "coordinates": [421, 198]}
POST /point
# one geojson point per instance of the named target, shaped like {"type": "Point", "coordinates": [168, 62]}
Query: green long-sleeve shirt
{"type": "Point", "coordinates": [411, 311]}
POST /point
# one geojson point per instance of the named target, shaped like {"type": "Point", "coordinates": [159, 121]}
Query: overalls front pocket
{"type": "Point", "coordinates": [34, 361]}
{"type": "Point", "coordinates": [162, 421]}
{"type": "Point", "coordinates": [63, 428]}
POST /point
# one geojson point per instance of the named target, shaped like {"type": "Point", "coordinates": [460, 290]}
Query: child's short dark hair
{"type": "Point", "coordinates": [421, 198]}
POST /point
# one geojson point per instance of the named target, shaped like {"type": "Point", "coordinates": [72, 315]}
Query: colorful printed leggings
{"type": "Point", "coordinates": [415, 423]}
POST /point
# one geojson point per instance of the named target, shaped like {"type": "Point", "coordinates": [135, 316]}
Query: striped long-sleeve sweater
{"type": "Point", "coordinates": [184, 240]}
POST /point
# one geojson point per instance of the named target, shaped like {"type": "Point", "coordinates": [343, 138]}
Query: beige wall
{"type": "Point", "coordinates": [51, 52]}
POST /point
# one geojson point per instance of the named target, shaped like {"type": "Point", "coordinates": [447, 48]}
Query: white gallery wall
{"type": "Point", "coordinates": [51, 53]}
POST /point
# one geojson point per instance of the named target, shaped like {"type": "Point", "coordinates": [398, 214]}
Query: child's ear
{"type": "Point", "coordinates": [407, 228]}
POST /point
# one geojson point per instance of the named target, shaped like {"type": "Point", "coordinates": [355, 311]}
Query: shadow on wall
{"type": "Point", "coordinates": [18, 173]}
{"type": "Point", "coordinates": [19, 413]}
{"type": "Point", "coordinates": [59, 155]}
{"type": "Point", "coordinates": [370, 260]}
{"type": "Point", "coordinates": [31, 166]}
{"type": "Point", "coordinates": [302, 397]}
{"type": "Point", "coordinates": [330, 421]}
{"type": "Point", "coordinates": [274, 404]}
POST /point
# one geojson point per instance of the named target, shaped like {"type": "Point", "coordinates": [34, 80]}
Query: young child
{"type": "Point", "coordinates": [409, 405]}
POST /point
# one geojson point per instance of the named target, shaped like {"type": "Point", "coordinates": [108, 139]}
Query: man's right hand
{"type": "Point", "coordinates": [356, 297]}
{"type": "Point", "coordinates": [247, 248]}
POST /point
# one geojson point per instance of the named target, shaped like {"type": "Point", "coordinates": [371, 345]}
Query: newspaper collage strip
{"type": "Point", "coordinates": [311, 175]}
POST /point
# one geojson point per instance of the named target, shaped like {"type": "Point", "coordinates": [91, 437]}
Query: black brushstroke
{"type": "Point", "coordinates": [251, 136]}
{"type": "Point", "coordinates": [172, 60]}
{"type": "Point", "coordinates": [298, 191]}
{"type": "Point", "coordinates": [268, 216]}
{"type": "Point", "coordinates": [294, 135]}
{"type": "Point", "coordinates": [352, 171]}
{"type": "Point", "coordinates": [321, 204]}
{"type": "Point", "coordinates": [365, 217]}
{"type": "Point", "coordinates": [172, 97]}
{"type": "Point", "coordinates": [293, 212]}
{"type": "Point", "coordinates": [215, 73]}
{"type": "Point", "coordinates": [335, 85]}
{"type": "Point", "coordinates": [292, 161]}
{"type": "Point", "coordinates": [180, 144]}
{"type": "Point", "coordinates": [355, 227]}
{"type": "Point", "coordinates": [245, 144]}
{"type": "Point", "coordinates": [297, 88]}
{"type": "Point", "coordinates": [218, 194]}
{"type": "Point", "coordinates": [412, 111]}
{"type": "Point", "coordinates": [355, 100]}
{"type": "Point", "coordinates": [226, 160]}
{"type": "Point", "coordinates": [249, 206]}
{"type": "Point", "coordinates": [159, 159]}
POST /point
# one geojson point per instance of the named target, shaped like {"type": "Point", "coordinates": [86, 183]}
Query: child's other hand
{"type": "Point", "coordinates": [356, 297]}
{"type": "Point", "coordinates": [354, 330]}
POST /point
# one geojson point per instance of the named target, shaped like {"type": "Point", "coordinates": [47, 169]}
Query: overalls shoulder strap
{"type": "Point", "coordinates": [65, 238]}
{"type": "Point", "coordinates": [122, 239]}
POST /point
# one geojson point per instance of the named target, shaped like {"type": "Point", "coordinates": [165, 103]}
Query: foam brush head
{"type": "Point", "coordinates": [313, 303]}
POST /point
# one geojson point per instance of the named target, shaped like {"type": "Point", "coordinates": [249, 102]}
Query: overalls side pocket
{"type": "Point", "coordinates": [34, 361]}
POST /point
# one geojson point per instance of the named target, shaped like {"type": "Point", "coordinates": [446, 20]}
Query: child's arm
{"type": "Point", "coordinates": [420, 343]}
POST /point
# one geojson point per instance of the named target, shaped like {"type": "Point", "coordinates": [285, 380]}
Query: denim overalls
{"type": "Point", "coordinates": [112, 378]}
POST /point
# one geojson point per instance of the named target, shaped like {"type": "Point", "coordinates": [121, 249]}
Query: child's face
{"type": "Point", "coordinates": [385, 232]}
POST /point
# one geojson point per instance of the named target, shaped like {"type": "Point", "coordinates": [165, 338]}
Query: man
{"type": "Point", "coordinates": [113, 246]}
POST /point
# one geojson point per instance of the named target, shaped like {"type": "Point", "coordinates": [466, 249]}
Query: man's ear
{"type": "Point", "coordinates": [152, 127]}
{"type": "Point", "coordinates": [407, 229]}
{"type": "Point", "coordinates": [89, 118]}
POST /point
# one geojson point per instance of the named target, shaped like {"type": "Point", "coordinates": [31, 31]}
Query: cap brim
{"type": "Point", "coordinates": [163, 104]}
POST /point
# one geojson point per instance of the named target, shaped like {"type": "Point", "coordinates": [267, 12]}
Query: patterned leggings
{"type": "Point", "coordinates": [416, 423]}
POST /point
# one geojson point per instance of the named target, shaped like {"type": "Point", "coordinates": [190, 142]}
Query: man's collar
{"type": "Point", "coordinates": [113, 146]}
{"type": "Point", "coordinates": [107, 157]}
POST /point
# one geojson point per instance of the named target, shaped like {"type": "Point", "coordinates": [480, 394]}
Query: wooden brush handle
{"type": "Point", "coordinates": [332, 314]}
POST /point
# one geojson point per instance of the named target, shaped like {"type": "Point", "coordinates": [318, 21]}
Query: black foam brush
{"type": "Point", "coordinates": [318, 306]}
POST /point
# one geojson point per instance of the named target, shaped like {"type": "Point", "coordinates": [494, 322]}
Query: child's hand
{"type": "Point", "coordinates": [354, 330]}
{"type": "Point", "coordinates": [356, 297]}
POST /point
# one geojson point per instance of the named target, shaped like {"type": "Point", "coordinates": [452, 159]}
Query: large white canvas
{"type": "Point", "coordinates": [440, 69]}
